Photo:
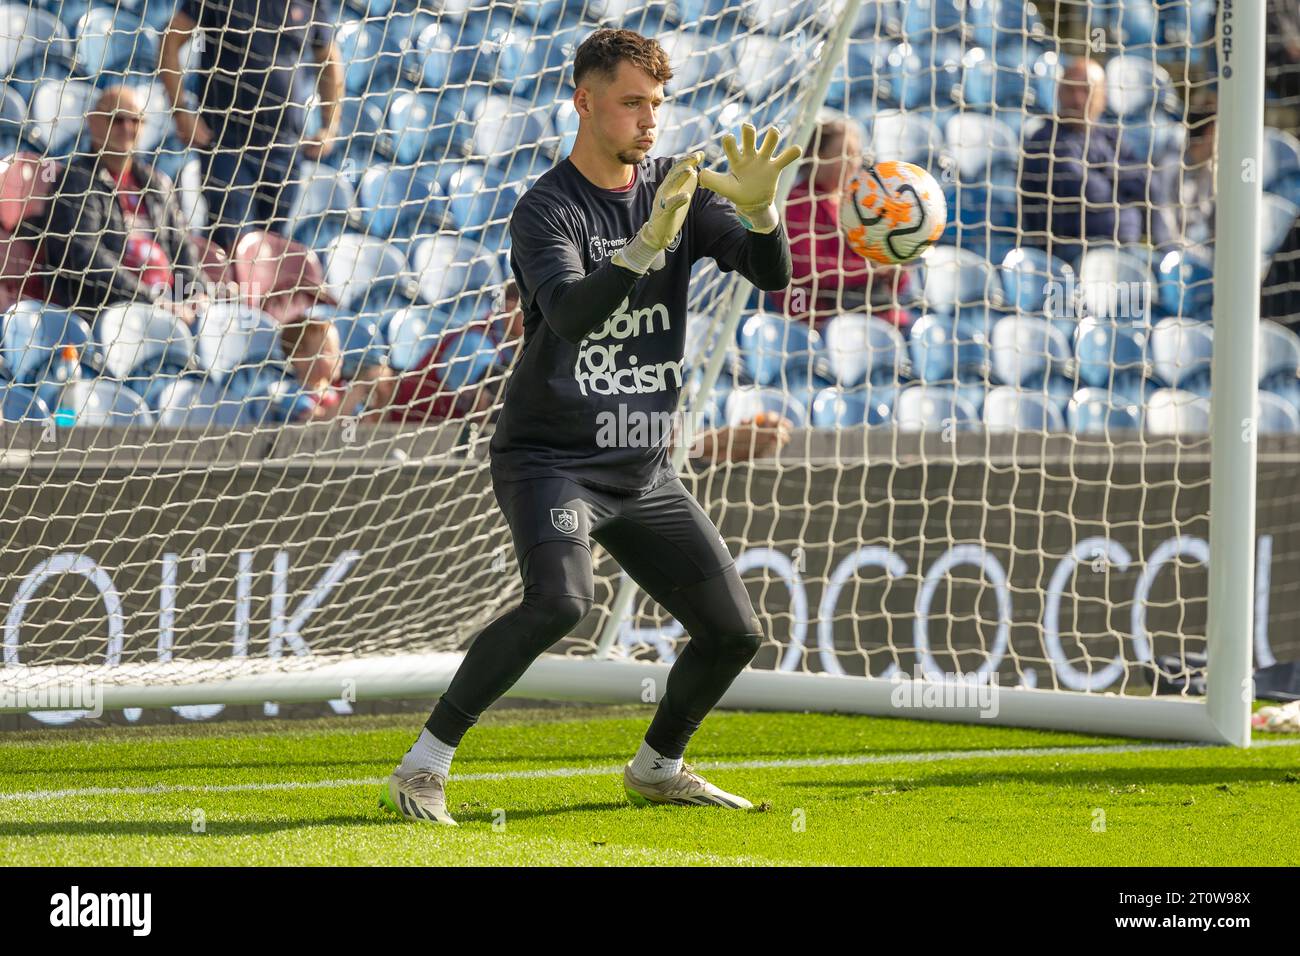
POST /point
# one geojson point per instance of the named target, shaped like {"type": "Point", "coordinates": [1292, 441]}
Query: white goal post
{"type": "Point", "coordinates": [937, 567]}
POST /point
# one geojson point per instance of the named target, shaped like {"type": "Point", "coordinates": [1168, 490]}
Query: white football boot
{"type": "Point", "coordinates": [686, 789]}
{"type": "Point", "coordinates": [419, 796]}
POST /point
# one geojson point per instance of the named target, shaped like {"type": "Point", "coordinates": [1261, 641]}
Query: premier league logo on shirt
{"type": "Point", "coordinates": [564, 519]}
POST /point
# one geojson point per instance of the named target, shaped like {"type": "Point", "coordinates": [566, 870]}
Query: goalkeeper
{"type": "Point", "coordinates": [602, 247]}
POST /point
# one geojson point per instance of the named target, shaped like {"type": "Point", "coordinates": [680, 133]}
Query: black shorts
{"type": "Point", "coordinates": [663, 539]}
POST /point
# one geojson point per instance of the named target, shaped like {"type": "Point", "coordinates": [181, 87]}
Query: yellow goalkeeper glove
{"type": "Point", "coordinates": [645, 250]}
{"type": "Point", "coordinates": [751, 177]}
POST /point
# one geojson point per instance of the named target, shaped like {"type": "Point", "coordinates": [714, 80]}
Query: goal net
{"type": "Point", "coordinates": [999, 475]}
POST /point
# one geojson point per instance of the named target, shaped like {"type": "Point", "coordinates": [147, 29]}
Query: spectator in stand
{"type": "Point", "coordinates": [250, 119]}
{"type": "Point", "coordinates": [115, 230]}
{"type": "Point", "coordinates": [829, 277]}
{"type": "Point", "coordinates": [1076, 188]}
{"type": "Point", "coordinates": [418, 395]}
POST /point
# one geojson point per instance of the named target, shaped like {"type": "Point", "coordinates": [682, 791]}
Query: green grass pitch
{"type": "Point", "coordinates": [545, 787]}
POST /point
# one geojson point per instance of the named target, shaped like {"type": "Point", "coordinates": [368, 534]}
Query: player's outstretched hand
{"type": "Point", "coordinates": [671, 203]}
{"type": "Point", "coordinates": [751, 177]}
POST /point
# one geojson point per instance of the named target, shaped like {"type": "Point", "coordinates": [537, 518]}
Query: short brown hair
{"type": "Point", "coordinates": [605, 49]}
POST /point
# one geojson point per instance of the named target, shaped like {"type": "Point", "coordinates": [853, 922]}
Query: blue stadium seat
{"type": "Point", "coordinates": [868, 80]}
{"type": "Point", "coordinates": [13, 119]}
{"type": "Point", "coordinates": [697, 62]}
{"type": "Point", "coordinates": [956, 20]}
{"type": "Point", "coordinates": [368, 66]}
{"type": "Point", "coordinates": [548, 59]}
{"type": "Point", "coordinates": [1152, 142]}
{"type": "Point", "coordinates": [324, 200]}
{"type": "Point", "coordinates": [370, 8]}
{"type": "Point", "coordinates": [232, 338]}
{"type": "Point", "coordinates": [864, 349]}
{"type": "Point", "coordinates": [1015, 409]}
{"type": "Point", "coordinates": [1109, 354]}
{"type": "Point", "coordinates": [28, 33]}
{"type": "Point", "coordinates": [928, 74]}
{"type": "Point", "coordinates": [360, 339]}
{"type": "Point", "coordinates": [1029, 352]}
{"type": "Point", "coordinates": [1279, 361]}
{"type": "Point", "coordinates": [981, 219]}
{"type": "Point", "coordinates": [1186, 285]}
{"type": "Point", "coordinates": [22, 405]}
{"type": "Point", "coordinates": [197, 403]}
{"type": "Point", "coordinates": [1096, 411]}
{"type": "Point", "coordinates": [355, 263]}
{"type": "Point", "coordinates": [932, 408]}
{"type": "Point", "coordinates": [748, 401]}
{"type": "Point", "coordinates": [507, 134]}
{"type": "Point", "coordinates": [850, 407]}
{"type": "Point", "coordinates": [1045, 72]}
{"type": "Point", "coordinates": [564, 127]}
{"type": "Point", "coordinates": [1115, 283]}
{"type": "Point", "coordinates": [456, 277]}
{"type": "Point", "coordinates": [764, 67]}
{"type": "Point", "coordinates": [1134, 23]}
{"type": "Point", "coordinates": [270, 395]}
{"type": "Point", "coordinates": [1277, 416]}
{"type": "Point", "coordinates": [1190, 23]}
{"type": "Point", "coordinates": [775, 351]}
{"type": "Point", "coordinates": [1036, 281]}
{"type": "Point", "coordinates": [991, 83]}
{"type": "Point", "coordinates": [1174, 412]}
{"type": "Point", "coordinates": [702, 14]}
{"type": "Point", "coordinates": [1180, 354]}
{"type": "Point", "coordinates": [32, 334]}
{"type": "Point", "coordinates": [67, 12]}
{"type": "Point", "coordinates": [682, 130]}
{"type": "Point", "coordinates": [398, 203]}
{"type": "Point", "coordinates": [1281, 156]}
{"type": "Point", "coordinates": [498, 40]}
{"type": "Point", "coordinates": [103, 403]}
{"type": "Point", "coordinates": [154, 14]}
{"type": "Point", "coordinates": [944, 349]}
{"type": "Point", "coordinates": [24, 76]}
{"type": "Point", "coordinates": [361, 125]}
{"type": "Point", "coordinates": [1287, 186]}
{"type": "Point", "coordinates": [1137, 87]}
{"type": "Point", "coordinates": [410, 333]}
{"type": "Point", "coordinates": [442, 57]}
{"type": "Point", "coordinates": [480, 201]}
{"type": "Point", "coordinates": [110, 43]}
{"type": "Point", "coordinates": [464, 357]}
{"type": "Point", "coordinates": [955, 281]}
{"type": "Point", "coordinates": [57, 115]}
{"type": "Point", "coordinates": [1277, 218]}
{"type": "Point", "coordinates": [141, 343]}
{"type": "Point", "coordinates": [981, 147]}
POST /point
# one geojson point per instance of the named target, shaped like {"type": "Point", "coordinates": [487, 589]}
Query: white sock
{"type": "Point", "coordinates": [427, 753]}
{"type": "Point", "coordinates": [653, 767]}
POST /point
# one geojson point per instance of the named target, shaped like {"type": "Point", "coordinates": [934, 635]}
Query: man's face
{"type": "Point", "coordinates": [1082, 91]}
{"type": "Point", "coordinates": [115, 122]}
{"type": "Point", "coordinates": [622, 112]}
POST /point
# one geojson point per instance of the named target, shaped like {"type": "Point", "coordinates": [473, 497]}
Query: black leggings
{"type": "Point", "coordinates": [667, 544]}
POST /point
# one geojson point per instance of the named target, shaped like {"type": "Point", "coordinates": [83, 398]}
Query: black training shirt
{"type": "Point", "coordinates": [601, 344]}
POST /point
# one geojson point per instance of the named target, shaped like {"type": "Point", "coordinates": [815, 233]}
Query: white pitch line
{"type": "Point", "coordinates": [924, 756]}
